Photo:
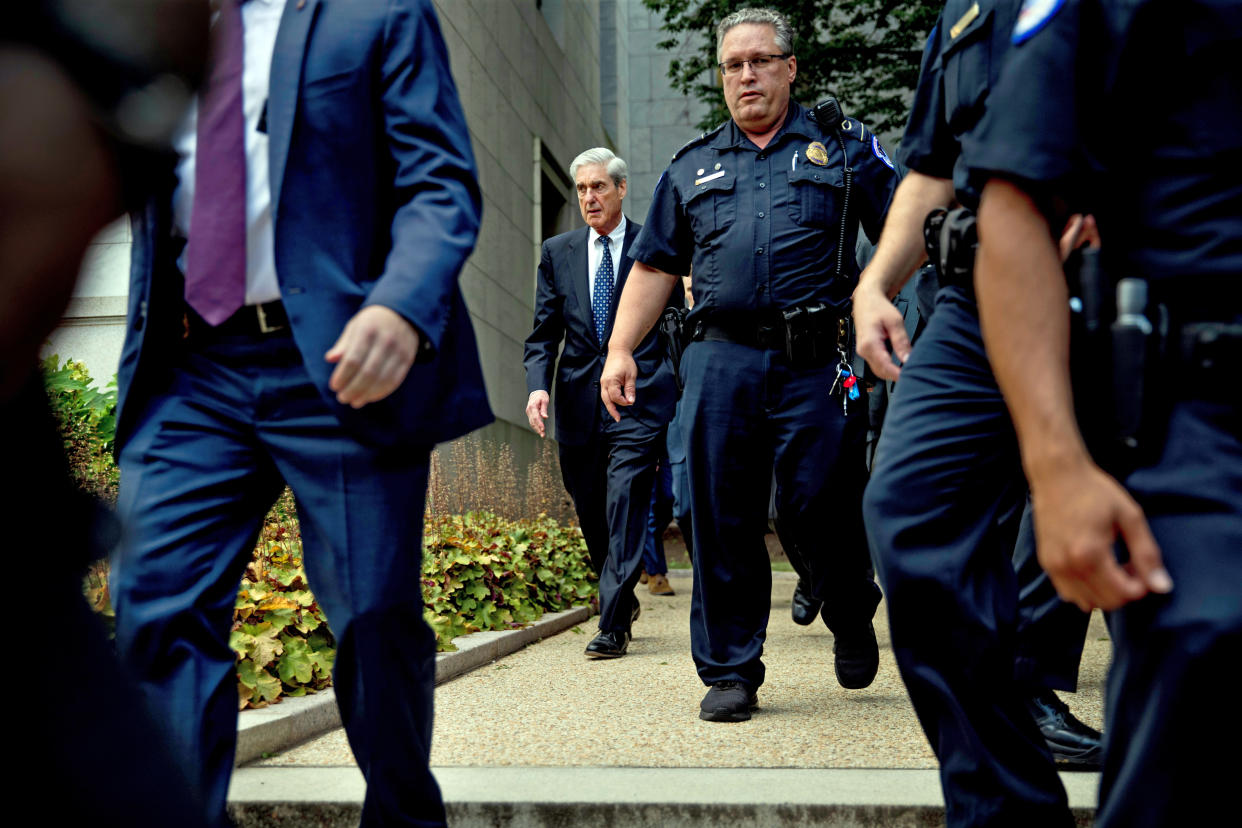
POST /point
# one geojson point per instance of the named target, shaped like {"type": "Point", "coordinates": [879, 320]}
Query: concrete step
{"type": "Point", "coordinates": [534, 797]}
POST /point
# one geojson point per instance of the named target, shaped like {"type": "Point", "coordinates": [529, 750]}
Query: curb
{"type": "Point", "coordinates": [294, 720]}
{"type": "Point", "coordinates": [623, 797]}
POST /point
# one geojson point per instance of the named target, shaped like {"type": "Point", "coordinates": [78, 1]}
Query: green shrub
{"type": "Point", "coordinates": [483, 572]}
{"type": "Point", "coordinates": [87, 419]}
{"type": "Point", "coordinates": [280, 635]}
{"type": "Point", "coordinates": [480, 571]}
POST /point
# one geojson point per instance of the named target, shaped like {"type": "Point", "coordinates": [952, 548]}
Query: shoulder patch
{"type": "Point", "coordinates": [694, 142]}
{"type": "Point", "coordinates": [1033, 16]}
{"type": "Point", "coordinates": [880, 153]}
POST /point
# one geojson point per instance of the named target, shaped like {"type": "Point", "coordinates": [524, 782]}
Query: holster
{"type": "Point", "coordinates": [951, 239]}
{"type": "Point", "coordinates": [673, 329]}
{"type": "Point", "coordinates": [810, 335]}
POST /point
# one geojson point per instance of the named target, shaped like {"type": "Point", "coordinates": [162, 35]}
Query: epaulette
{"type": "Point", "coordinates": [827, 114]}
{"type": "Point", "coordinates": [694, 142]}
{"type": "Point", "coordinates": [855, 129]}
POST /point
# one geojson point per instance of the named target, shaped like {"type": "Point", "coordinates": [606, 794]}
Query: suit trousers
{"type": "Point", "coordinates": [942, 510]}
{"type": "Point", "coordinates": [744, 412]}
{"type": "Point", "coordinates": [658, 518]}
{"type": "Point", "coordinates": [207, 458]}
{"type": "Point", "coordinates": [622, 457]}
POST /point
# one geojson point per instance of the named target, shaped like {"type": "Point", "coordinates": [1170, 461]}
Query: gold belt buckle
{"type": "Point", "coordinates": [263, 326]}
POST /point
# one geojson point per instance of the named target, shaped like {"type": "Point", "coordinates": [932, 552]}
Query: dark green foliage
{"type": "Point", "coordinates": [482, 572]}
{"type": "Point", "coordinates": [87, 420]}
{"type": "Point", "coordinates": [866, 52]}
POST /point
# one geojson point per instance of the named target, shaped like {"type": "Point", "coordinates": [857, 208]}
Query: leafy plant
{"type": "Point", "coordinates": [866, 52]}
{"type": "Point", "coordinates": [483, 572]}
{"type": "Point", "coordinates": [87, 419]}
{"type": "Point", "coordinates": [280, 635]}
{"type": "Point", "coordinates": [480, 571]}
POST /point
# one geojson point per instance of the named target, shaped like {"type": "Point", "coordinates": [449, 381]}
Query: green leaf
{"type": "Point", "coordinates": [295, 665]}
{"type": "Point", "coordinates": [247, 673]}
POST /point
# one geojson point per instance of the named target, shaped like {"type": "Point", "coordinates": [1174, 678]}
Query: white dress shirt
{"type": "Point", "coordinates": [595, 254]}
{"type": "Point", "coordinates": [260, 20]}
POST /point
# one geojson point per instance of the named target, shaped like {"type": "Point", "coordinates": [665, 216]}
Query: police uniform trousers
{"type": "Point", "coordinates": [942, 510]}
{"type": "Point", "coordinates": [1051, 632]}
{"type": "Point", "coordinates": [745, 411]}
{"type": "Point", "coordinates": [208, 456]}
{"type": "Point", "coordinates": [627, 452]}
{"type": "Point", "coordinates": [1172, 705]}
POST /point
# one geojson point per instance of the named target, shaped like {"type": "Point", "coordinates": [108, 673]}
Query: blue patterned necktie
{"type": "Point", "coordinates": [601, 302]}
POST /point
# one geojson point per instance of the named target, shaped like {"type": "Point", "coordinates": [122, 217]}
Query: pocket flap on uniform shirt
{"type": "Point", "coordinates": [711, 181]}
{"type": "Point", "coordinates": [805, 172]}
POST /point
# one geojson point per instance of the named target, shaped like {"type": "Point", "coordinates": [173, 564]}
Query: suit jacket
{"type": "Point", "coordinates": [563, 312]}
{"type": "Point", "coordinates": [374, 200]}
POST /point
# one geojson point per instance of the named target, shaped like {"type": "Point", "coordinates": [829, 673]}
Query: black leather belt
{"type": "Point", "coordinates": [251, 320]}
{"type": "Point", "coordinates": [769, 335]}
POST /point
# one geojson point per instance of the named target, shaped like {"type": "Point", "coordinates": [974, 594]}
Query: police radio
{"type": "Point", "coordinates": [827, 114]}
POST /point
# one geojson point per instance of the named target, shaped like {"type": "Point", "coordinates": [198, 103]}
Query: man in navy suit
{"type": "Point", "coordinates": [295, 319]}
{"type": "Point", "coordinates": [608, 467]}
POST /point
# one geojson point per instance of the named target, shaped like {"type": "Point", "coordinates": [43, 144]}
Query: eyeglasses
{"type": "Point", "coordinates": [732, 67]}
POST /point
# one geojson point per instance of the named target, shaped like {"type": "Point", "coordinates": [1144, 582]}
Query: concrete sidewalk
{"type": "Point", "coordinates": [534, 735]}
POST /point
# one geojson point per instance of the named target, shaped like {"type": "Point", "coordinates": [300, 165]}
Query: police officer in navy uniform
{"type": "Point", "coordinates": [757, 208]}
{"type": "Point", "coordinates": [1139, 120]}
{"type": "Point", "coordinates": [947, 493]}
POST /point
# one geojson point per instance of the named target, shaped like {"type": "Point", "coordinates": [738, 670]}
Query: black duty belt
{"type": "Point", "coordinates": [251, 320]}
{"type": "Point", "coordinates": [768, 334]}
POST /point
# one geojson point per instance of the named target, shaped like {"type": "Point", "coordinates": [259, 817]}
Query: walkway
{"type": "Point", "coordinates": [548, 707]}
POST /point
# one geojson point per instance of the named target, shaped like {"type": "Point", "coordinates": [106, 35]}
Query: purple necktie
{"type": "Point", "coordinates": [215, 278]}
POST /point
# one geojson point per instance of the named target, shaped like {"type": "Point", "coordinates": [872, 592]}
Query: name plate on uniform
{"type": "Point", "coordinates": [965, 20]}
{"type": "Point", "coordinates": [707, 178]}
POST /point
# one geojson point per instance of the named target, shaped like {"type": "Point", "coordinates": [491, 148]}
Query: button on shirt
{"type": "Point", "coordinates": [760, 227]}
{"type": "Point", "coordinates": [260, 20]}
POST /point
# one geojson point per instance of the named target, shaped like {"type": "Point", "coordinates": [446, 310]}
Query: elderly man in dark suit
{"type": "Point", "coordinates": [295, 319]}
{"type": "Point", "coordinates": [608, 467]}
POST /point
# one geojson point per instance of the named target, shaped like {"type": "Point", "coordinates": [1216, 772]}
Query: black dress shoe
{"type": "Point", "coordinates": [728, 701]}
{"type": "Point", "coordinates": [1073, 744]}
{"type": "Point", "coordinates": [608, 644]}
{"type": "Point", "coordinates": [805, 606]}
{"type": "Point", "coordinates": [857, 655]}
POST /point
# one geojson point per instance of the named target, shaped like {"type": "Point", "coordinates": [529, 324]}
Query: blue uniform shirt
{"type": "Point", "coordinates": [760, 227]}
{"type": "Point", "coordinates": [1131, 110]}
{"type": "Point", "coordinates": [961, 64]}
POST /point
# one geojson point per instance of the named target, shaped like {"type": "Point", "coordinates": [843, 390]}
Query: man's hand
{"type": "Point", "coordinates": [1080, 230]}
{"type": "Point", "coordinates": [617, 382]}
{"type": "Point", "coordinates": [1079, 512]}
{"type": "Point", "coordinates": [537, 411]}
{"type": "Point", "coordinates": [877, 323]}
{"type": "Point", "coordinates": [372, 356]}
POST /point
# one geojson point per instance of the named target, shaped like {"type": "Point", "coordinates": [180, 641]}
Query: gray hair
{"type": "Point", "coordinates": [764, 17]}
{"type": "Point", "coordinates": [617, 169]}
